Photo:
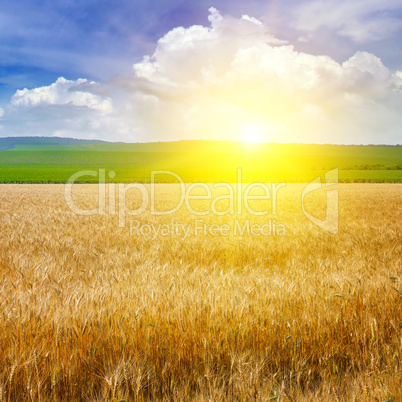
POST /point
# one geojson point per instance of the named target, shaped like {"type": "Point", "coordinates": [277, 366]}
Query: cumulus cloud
{"type": "Point", "coordinates": [63, 92]}
{"type": "Point", "coordinates": [65, 108]}
{"type": "Point", "coordinates": [216, 82]}
{"type": "Point", "coordinates": [184, 54]}
{"type": "Point", "coordinates": [366, 62]}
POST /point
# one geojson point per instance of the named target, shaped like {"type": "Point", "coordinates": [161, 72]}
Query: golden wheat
{"type": "Point", "coordinates": [90, 311]}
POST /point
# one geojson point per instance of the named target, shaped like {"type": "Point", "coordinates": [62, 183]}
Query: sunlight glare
{"type": "Point", "coordinates": [252, 133]}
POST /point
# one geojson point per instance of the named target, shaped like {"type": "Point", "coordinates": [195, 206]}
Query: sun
{"type": "Point", "coordinates": [252, 133]}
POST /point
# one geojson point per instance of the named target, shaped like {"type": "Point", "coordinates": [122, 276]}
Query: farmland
{"type": "Point", "coordinates": [204, 161]}
{"type": "Point", "coordinates": [94, 311]}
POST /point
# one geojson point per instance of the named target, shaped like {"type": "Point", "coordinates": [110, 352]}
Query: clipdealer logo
{"type": "Point", "coordinates": [200, 227]}
{"type": "Point", "coordinates": [112, 200]}
{"type": "Point", "coordinates": [331, 221]}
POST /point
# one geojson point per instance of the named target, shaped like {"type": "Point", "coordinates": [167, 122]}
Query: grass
{"type": "Point", "coordinates": [204, 161]}
{"type": "Point", "coordinates": [140, 173]}
{"type": "Point", "coordinates": [90, 311]}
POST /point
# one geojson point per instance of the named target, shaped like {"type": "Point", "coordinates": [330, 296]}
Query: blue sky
{"type": "Point", "coordinates": [41, 41]}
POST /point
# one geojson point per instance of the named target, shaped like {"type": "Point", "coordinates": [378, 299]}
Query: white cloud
{"type": "Point", "coordinates": [367, 62]}
{"type": "Point", "coordinates": [360, 20]}
{"type": "Point", "coordinates": [1, 112]}
{"type": "Point", "coordinates": [184, 54]}
{"type": "Point", "coordinates": [212, 82]}
{"type": "Point", "coordinates": [311, 98]}
{"type": "Point", "coordinates": [65, 108]}
{"type": "Point", "coordinates": [63, 92]}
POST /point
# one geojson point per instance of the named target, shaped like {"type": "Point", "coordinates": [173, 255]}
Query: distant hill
{"type": "Point", "coordinates": [11, 142]}
{"type": "Point", "coordinates": [208, 146]}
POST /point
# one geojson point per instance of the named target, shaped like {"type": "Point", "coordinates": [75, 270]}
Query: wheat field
{"type": "Point", "coordinates": [94, 311]}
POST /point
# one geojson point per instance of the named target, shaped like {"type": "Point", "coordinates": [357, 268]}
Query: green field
{"type": "Point", "coordinates": [46, 160]}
